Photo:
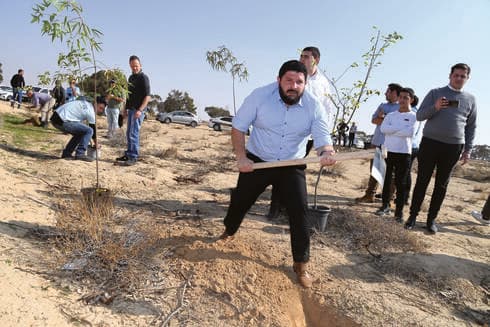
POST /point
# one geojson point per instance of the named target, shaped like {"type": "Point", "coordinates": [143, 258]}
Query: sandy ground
{"type": "Point", "coordinates": [246, 282]}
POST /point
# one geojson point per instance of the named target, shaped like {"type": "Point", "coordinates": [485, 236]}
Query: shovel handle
{"type": "Point", "coordinates": [364, 154]}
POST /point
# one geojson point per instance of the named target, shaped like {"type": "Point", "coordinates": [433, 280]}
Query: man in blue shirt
{"type": "Point", "coordinates": [391, 94]}
{"type": "Point", "coordinates": [73, 91]}
{"type": "Point", "coordinates": [283, 116]}
{"type": "Point", "coordinates": [70, 118]}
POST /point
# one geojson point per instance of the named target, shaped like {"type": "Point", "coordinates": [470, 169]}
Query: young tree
{"type": "Point", "coordinates": [223, 59]}
{"type": "Point", "coordinates": [347, 100]}
{"type": "Point", "coordinates": [176, 100]}
{"type": "Point", "coordinates": [62, 20]}
{"type": "Point", "coordinates": [102, 80]}
{"type": "Point", "coordinates": [1, 73]}
{"type": "Point", "coordinates": [44, 79]}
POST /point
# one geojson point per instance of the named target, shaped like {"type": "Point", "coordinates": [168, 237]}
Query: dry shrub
{"type": "Point", "coordinates": [337, 170]}
{"type": "Point", "coordinates": [151, 128]}
{"type": "Point", "coordinates": [459, 208]}
{"type": "Point", "coordinates": [118, 140]}
{"type": "Point", "coordinates": [195, 178]}
{"type": "Point", "coordinates": [377, 235]}
{"type": "Point", "coordinates": [169, 153]}
{"type": "Point", "coordinates": [476, 170]}
{"type": "Point", "coordinates": [364, 183]}
{"type": "Point", "coordinates": [96, 246]}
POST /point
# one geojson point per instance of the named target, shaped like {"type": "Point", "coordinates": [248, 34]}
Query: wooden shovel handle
{"type": "Point", "coordinates": [364, 154]}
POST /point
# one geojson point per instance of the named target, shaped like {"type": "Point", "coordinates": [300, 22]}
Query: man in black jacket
{"type": "Point", "coordinates": [17, 82]}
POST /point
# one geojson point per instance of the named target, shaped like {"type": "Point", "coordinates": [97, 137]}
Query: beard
{"type": "Point", "coordinates": [292, 98]}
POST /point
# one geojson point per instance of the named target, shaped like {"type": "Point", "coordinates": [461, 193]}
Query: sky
{"type": "Point", "coordinates": [172, 37]}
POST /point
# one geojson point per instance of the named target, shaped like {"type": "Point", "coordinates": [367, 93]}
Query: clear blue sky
{"type": "Point", "coordinates": [172, 37]}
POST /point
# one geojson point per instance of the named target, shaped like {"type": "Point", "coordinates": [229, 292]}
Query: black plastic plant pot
{"type": "Point", "coordinates": [318, 217]}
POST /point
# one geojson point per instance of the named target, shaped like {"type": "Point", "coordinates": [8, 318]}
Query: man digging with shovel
{"type": "Point", "coordinates": [283, 116]}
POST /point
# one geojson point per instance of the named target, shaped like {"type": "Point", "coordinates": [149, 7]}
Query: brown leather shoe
{"type": "Point", "coordinates": [367, 198]}
{"type": "Point", "coordinates": [225, 237]}
{"type": "Point", "coordinates": [304, 278]}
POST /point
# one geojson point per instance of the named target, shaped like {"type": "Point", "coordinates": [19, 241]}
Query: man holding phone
{"type": "Point", "coordinates": [448, 136]}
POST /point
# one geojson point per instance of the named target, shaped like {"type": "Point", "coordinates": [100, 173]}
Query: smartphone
{"type": "Point", "coordinates": [453, 103]}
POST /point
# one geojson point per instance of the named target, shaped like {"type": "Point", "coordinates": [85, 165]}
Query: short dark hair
{"type": "Point", "coordinates": [293, 65]}
{"type": "Point", "coordinates": [315, 52]}
{"type": "Point", "coordinates": [101, 99]}
{"type": "Point", "coordinates": [461, 66]}
{"type": "Point", "coordinates": [133, 57]}
{"type": "Point", "coordinates": [415, 101]}
{"type": "Point", "coordinates": [408, 90]}
{"type": "Point", "coordinates": [20, 71]}
{"type": "Point", "coordinates": [395, 87]}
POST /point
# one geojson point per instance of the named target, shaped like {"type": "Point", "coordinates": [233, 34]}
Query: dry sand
{"type": "Point", "coordinates": [246, 282]}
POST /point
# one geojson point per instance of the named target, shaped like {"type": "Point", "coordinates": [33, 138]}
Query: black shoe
{"type": "Point", "coordinates": [383, 211]}
{"type": "Point", "coordinates": [129, 162]}
{"type": "Point", "coordinates": [432, 228]}
{"type": "Point", "coordinates": [399, 219]}
{"type": "Point", "coordinates": [410, 224]}
{"type": "Point", "coordinates": [67, 157]}
{"type": "Point", "coordinates": [378, 196]}
{"type": "Point", "coordinates": [123, 158]}
{"type": "Point", "coordinates": [274, 211]}
{"type": "Point", "coordinates": [84, 157]}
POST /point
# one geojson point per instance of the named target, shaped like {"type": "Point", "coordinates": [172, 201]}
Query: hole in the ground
{"type": "Point", "coordinates": [318, 315]}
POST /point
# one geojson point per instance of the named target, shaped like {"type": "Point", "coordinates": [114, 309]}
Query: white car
{"type": "Point", "coordinates": [5, 92]}
{"type": "Point", "coordinates": [220, 123]}
{"type": "Point", "coordinates": [180, 117]}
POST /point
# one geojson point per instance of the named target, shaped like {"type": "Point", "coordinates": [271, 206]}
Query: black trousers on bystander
{"type": "Point", "coordinates": [439, 156]}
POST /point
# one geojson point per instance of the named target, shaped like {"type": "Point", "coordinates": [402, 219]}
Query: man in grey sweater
{"type": "Point", "coordinates": [447, 137]}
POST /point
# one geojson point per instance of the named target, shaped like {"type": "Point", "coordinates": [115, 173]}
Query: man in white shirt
{"type": "Point", "coordinates": [70, 118]}
{"type": "Point", "coordinates": [317, 84]}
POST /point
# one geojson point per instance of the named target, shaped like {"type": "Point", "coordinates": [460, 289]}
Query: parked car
{"type": "Point", "coordinates": [5, 92]}
{"type": "Point", "coordinates": [40, 89]}
{"type": "Point", "coordinates": [179, 117]}
{"type": "Point", "coordinates": [218, 123]}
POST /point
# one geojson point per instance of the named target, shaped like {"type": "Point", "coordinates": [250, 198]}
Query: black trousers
{"type": "Point", "coordinates": [352, 136]}
{"type": "Point", "coordinates": [398, 163]}
{"type": "Point", "coordinates": [415, 152]}
{"type": "Point", "coordinates": [434, 155]}
{"type": "Point", "coordinates": [486, 209]}
{"type": "Point", "coordinates": [291, 184]}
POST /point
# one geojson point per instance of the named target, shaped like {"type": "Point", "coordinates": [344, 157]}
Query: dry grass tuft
{"type": "Point", "coordinates": [337, 170]}
{"type": "Point", "coordinates": [364, 183]}
{"type": "Point", "coordinates": [97, 247]}
{"type": "Point", "coordinates": [376, 235]}
{"type": "Point", "coordinates": [151, 128]}
{"type": "Point", "coordinates": [170, 153]}
{"type": "Point", "coordinates": [118, 140]}
{"type": "Point", "coordinates": [476, 170]}
{"type": "Point", "coordinates": [195, 178]}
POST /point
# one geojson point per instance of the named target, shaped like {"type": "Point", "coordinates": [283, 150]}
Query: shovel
{"type": "Point", "coordinates": [364, 154]}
